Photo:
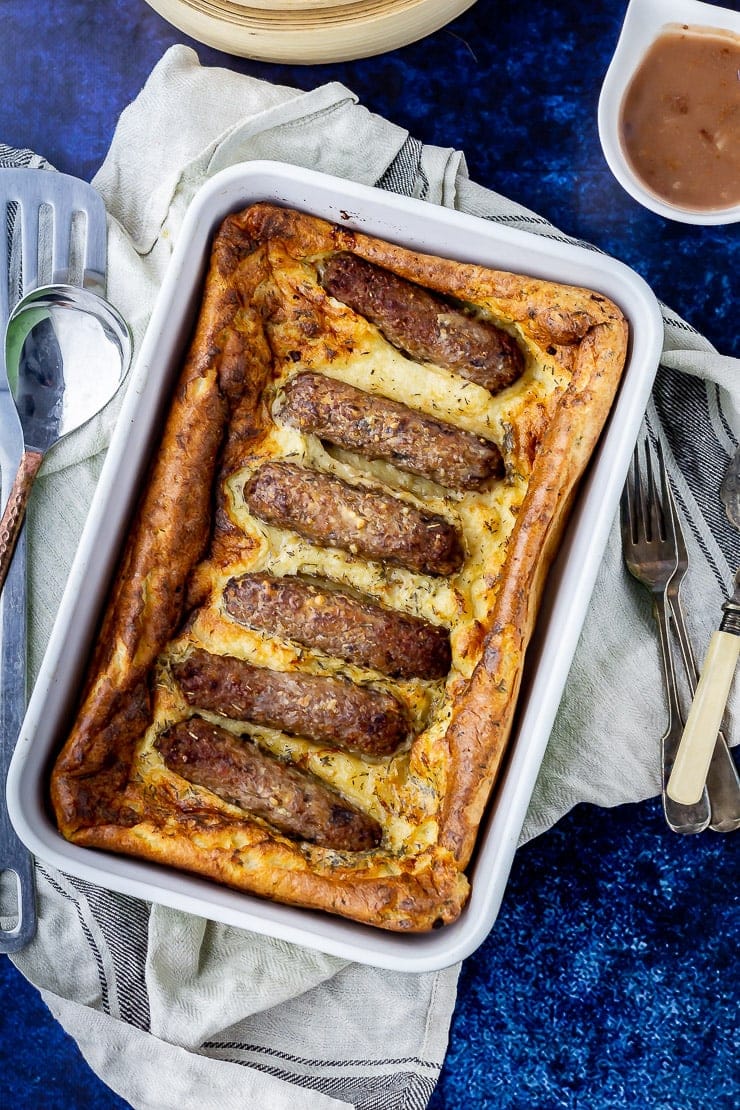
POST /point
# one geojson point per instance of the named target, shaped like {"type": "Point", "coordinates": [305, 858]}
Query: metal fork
{"type": "Point", "coordinates": [649, 546]}
{"type": "Point", "coordinates": [723, 781]}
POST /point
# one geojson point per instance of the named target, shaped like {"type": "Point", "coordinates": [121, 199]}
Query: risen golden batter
{"type": "Point", "coordinates": [181, 705]}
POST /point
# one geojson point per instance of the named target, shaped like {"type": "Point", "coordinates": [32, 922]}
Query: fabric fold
{"type": "Point", "coordinates": [152, 1074]}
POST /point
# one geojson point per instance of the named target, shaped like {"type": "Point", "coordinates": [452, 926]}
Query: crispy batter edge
{"type": "Point", "coordinates": [431, 888]}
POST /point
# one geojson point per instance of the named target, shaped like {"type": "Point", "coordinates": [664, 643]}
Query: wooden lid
{"type": "Point", "coordinates": [307, 32]}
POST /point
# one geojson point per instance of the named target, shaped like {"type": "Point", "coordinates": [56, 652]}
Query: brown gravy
{"type": "Point", "coordinates": [680, 120]}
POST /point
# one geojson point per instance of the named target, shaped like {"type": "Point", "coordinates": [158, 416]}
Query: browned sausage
{"type": "Point", "coordinates": [380, 428]}
{"type": "Point", "coordinates": [366, 522]}
{"type": "Point", "coordinates": [423, 324]}
{"type": "Point", "coordinates": [238, 771]}
{"type": "Point", "coordinates": [358, 631]}
{"type": "Point", "coordinates": [318, 707]}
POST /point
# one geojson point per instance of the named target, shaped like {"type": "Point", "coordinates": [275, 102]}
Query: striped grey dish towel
{"type": "Point", "coordinates": [174, 1011]}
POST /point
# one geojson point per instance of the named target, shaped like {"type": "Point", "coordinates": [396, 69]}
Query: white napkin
{"type": "Point", "coordinates": [173, 1011]}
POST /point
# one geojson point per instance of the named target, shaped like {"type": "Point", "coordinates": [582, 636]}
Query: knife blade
{"type": "Point", "coordinates": [13, 693]}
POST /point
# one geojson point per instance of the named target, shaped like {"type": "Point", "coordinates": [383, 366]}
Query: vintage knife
{"type": "Point", "coordinates": [694, 752]}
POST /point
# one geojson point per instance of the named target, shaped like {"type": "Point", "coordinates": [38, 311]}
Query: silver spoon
{"type": "Point", "coordinates": [67, 351]}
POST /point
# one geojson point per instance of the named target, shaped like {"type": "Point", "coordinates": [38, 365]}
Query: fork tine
{"type": "Point", "coordinates": [640, 498]}
{"type": "Point", "coordinates": [62, 242]}
{"type": "Point", "coordinates": [627, 507]}
{"type": "Point", "coordinates": [29, 218]}
{"type": "Point", "coordinates": [669, 523]}
{"type": "Point", "coordinates": [651, 532]}
{"type": "Point", "coordinates": [654, 511]}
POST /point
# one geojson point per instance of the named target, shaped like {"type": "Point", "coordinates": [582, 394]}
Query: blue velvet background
{"type": "Point", "coordinates": [609, 978]}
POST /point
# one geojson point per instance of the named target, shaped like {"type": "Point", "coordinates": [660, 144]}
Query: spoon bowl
{"type": "Point", "coordinates": [67, 351]}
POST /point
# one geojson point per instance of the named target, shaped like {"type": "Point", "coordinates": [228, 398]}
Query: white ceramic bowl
{"type": "Point", "coordinates": [644, 22]}
{"type": "Point", "coordinates": [419, 226]}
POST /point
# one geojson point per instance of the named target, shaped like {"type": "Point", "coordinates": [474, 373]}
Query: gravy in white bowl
{"type": "Point", "coordinates": [680, 118]}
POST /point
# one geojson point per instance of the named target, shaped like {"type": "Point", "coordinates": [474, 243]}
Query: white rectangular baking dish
{"type": "Point", "coordinates": [419, 226]}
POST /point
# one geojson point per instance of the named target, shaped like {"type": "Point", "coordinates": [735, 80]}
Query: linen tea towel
{"type": "Point", "coordinates": [171, 1010]}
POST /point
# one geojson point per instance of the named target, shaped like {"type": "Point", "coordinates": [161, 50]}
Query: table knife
{"type": "Point", "coordinates": [695, 748]}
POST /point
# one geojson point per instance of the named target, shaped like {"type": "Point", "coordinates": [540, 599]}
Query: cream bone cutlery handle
{"type": "Point", "coordinates": [694, 753]}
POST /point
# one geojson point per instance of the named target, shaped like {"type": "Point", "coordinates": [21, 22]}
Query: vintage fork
{"type": "Point", "coordinates": [723, 781]}
{"type": "Point", "coordinates": [651, 556]}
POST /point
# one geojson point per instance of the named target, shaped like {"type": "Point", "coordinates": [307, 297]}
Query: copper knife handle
{"type": "Point", "coordinates": [15, 509]}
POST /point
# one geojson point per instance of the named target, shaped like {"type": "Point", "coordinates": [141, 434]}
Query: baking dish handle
{"type": "Point", "coordinates": [17, 860]}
